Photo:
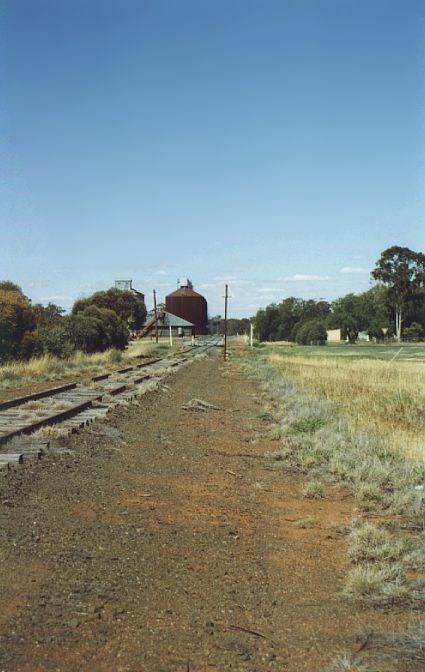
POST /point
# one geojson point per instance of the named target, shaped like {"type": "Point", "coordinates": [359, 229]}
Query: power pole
{"type": "Point", "coordinates": [226, 296]}
{"type": "Point", "coordinates": [156, 316]}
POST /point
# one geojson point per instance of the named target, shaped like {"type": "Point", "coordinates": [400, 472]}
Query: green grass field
{"type": "Point", "coordinates": [413, 352]}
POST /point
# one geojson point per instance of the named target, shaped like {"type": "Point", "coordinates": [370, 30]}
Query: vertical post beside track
{"type": "Point", "coordinates": [156, 315]}
{"type": "Point", "coordinates": [226, 296]}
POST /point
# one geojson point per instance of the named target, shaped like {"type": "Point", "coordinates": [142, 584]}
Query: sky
{"type": "Point", "coordinates": [274, 145]}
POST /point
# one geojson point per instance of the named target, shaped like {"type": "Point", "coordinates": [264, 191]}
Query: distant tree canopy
{"type": "Point", "coordinates": [281, 322]}
{"type": "Point", "coordinates": [402, 272]}
{"type": "Point", "coordinates": [126, 304]}
{"type": "Point", "coordinates": [312, 332]}
{"type": "Point", "coordinates": [97, 329]}
{"type": "Point", "coordinates": [17, 321]}
{"type": "Point", "coordinates": [8, 286]}
{"type": "Point", "coordinates": [101, 321]}
{"type": "Point", "coordinates": [398, 299]}
{"type": "Point", "coordinates": [235, 327]}
{"type": "Point", "coordinates": [365, 312]}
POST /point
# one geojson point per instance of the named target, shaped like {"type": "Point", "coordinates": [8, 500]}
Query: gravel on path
{"type": "Point", "coordinates": [164, 541]}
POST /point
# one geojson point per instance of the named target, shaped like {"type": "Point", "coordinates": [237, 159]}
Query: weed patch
{"type": "Point", "coordinates": [305, 523]}
{"type": "Point", "coordinates": [346, 663]}
{"type": "Point", "coordinates": [308, 424]}
{"type": "Point", "coordinates": [369, 542]}
{"type": "Point", "coordinates": [382, 648]}
{"type": "Point", "coordinates": [314, 490]}
{"type": "Point", "coordinates": [324, 441]}
{"type": "Point", "coordinates": [377, 586]}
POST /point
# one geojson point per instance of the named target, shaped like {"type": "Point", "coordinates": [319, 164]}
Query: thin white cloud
{"type": "Point", "coordinates": [300, 277]}
{"type": "Point", "coordinates": [209, 285]}
{"type": "Point", "coordinates": [354, 269]}
{"type": "Point", "coordinates": [234, 282]}
{"type": "Point", "coordinates": [270, 290]}
{"type": "Point", "coordinates": [162, 272]}
{"type": "Point", "coordinates": [241, 283]}
{"type": "Point", "coordinates": [225, 278]}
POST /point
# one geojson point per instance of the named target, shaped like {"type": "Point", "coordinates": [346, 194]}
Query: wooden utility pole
{"type": "Point", "coordinates": [226, 296]}
{"type": "Point", "coordinates": [156, 316]}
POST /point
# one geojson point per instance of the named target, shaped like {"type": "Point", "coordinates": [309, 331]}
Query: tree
{"type": "Point", "coordinates": [8, 286]}
{"type": "Point", "coordinates": [46, 316]}
{"type": "Point", "coordinates": [312, 332]}
{"type": "Point", "coordinates": [56, 339]}
{"type": "Point", "coordinates": [289, 315]}
{"type": "Point", "coordinates": [86, 333]}
{"type": "Point", "coordinates": [97, 329]}
{"type": "Point", "coordinates": [353, 313]}
{"type": "Point", "coordinates": [266, 323]}
{"type": "Point", "coordinates": [115, 331]}
{"type": "Point", "coordinates": [126, 304]}
{"type": "Point", "coordinates": [374, 310]}
{"type": "Point", "coordinates": [281, 322]}
{"type": "Point", "coordinates": [347, 315]}
{"type": "Point", "coordinates": [414, 332]}
{"type": "Point", "coordinates": [16, 319]}
{"type": "Point", "coordinates": [402, 272]}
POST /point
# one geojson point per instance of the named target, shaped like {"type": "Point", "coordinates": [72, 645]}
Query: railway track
{"type": "Point", "coordinates": [28, 423]}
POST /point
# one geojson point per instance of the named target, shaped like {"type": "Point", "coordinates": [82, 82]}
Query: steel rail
{"type": "Point", "coordinates": [77, 402]}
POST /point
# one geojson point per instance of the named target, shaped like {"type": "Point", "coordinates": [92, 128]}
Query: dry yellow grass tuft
{"type": "Point", "coordinates": [386, 399]}
{"type": "Point", "coordinates": [47, 367]}
{"type": "Point", "coordinates": [146, 348]}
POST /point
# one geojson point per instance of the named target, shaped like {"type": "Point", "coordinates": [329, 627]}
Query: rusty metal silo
{"type": "Point", "coordinates": [189, 305]}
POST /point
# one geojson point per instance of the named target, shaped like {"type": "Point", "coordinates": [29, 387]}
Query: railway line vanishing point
{"type": "Point", "coordinates": [28, 423]}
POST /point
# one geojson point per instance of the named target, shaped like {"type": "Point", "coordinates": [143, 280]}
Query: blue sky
{"type": "Point", "coordinates": [275, 145]}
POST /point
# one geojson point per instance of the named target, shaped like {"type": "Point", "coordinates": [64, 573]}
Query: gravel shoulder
{"type": "Point", "coordinates": [162, 540]}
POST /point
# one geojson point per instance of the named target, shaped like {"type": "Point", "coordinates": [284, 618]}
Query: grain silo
{"type": "Point", "coordinates": [189, 305]}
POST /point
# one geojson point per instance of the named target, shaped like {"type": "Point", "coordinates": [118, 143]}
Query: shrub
{"type": "Point", "coordinates": [87, 333]}
{"type": "Point", "coordinates": [55, 338]}
{"type": "Point", "coordinates": [97, 329]}
{"type": "Point", "coordinates": [414, 332]}
{"type": "Point", "coordinates": [314, 490]}
{"type": "Point", "coordinates": [308, 425]}
{"type": "Point", "coordinates": [369, 583]}
{"type": "Point", "coordinates": [16, 319]}
{"type": "Point", "coordinates": [30, 346]}
{"type": "Point", "coordinates": [129, 307]}
{"type": "Point", "coordinates": [312, 332]}
{"type": "Point", "coordinates": [372, 543]}
{"type": "Point", "coordinates": [346, 663]}
{"type": "Point", "coordinates": [368, 496]}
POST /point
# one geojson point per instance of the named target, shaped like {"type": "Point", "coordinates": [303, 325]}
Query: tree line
{"type": "Point", "coordinates": [393, 307]}
{"type": "Point", "coordinates": [101, 321]}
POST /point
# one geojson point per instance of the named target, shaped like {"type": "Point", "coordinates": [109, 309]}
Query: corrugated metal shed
{"type": "Point", "coordinates": [164, 321]}
{"type": "Point", "coordinates": [169, 320]}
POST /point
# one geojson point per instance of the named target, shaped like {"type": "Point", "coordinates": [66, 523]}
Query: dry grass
{"type": "Point", "coordinates": [355, 422]}
{"type": "Point", "coordinates": [383, 651]}
{"type": "Point", "coordinates": [346, 663]}
{"type": "Point", "coordinates": [377, 585]}
{"type": "Point", "coordinates": [305, 523]}
{"type": "Point", "coordinates": [385, 399]}
{"type": "Point", "coordinates": [369, 542]}
{"type": "Point", "coordinates": [47, 367]}
{"type": "Point", "coordinates": [313, 490]}
{"type": "Point", "coordinates": [146, 348]}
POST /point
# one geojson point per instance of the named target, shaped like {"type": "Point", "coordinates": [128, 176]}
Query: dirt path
{"type": "Point", "coordinates": [164, 543]}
